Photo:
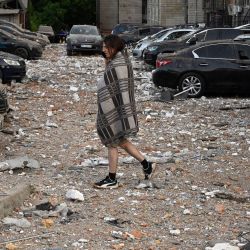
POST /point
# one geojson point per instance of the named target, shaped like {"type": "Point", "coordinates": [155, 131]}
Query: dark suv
{"type": "Point", "coordinates": [151, 52]}
{"type": "Point", "coordinates": [139, 33]}
{"type": "Point", "coordinates": [123, 27]}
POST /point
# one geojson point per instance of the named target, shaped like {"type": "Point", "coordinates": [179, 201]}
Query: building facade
{"type": "Point", "coordinates": [214, 13]}
{"type": "Point", "coordinates": [112, 12]}
{"type": "Point", "coordinates": [226, 12]}
{"type": "Point", "coordinates": [14, 11]}
{"type": "Point", "coordinates": [175, 12]}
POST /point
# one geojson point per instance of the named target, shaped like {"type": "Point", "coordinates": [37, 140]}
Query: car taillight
{"type": "Point", "coordinates": [162, 63]}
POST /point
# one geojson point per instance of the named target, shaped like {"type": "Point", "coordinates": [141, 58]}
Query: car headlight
{"type": "Point", "coordinates": [152, 48]}
{"type": "Point", "coordinates": [11, 62]}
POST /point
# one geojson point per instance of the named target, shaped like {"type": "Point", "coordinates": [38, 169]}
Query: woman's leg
{"type": "Point", "coordinates": [110, 180]}
{"type": "Point", "coordinates": [113, 159]}
{"type": "Point", "coordinates": [148, 167]}
{"type": "Point", "coordinates": [132, 150]}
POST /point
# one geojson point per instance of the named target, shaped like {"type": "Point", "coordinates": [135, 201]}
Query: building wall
{"type": "Point", "coordinates": [153, 12]}
{"type": "Point", "coordinates": [130, 11]}
{"type": "Point", "coordinates": [112, 12]}
{"type": "Point", "coordinates": [175, 12]}
{"type": "Point", "coordinates": [108, 14]}
{"type": "Point", "coordinates": [195, 11]}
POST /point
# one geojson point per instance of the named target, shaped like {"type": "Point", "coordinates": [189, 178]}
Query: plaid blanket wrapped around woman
{"type": "Point", "coordinates": [117, 117]}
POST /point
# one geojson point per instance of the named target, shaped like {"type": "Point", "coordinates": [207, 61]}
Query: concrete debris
{"type": "Point", "coordinates": [74, 195]}
{"type": "Point", "coordinates": [223, 246]}
{"type": "Point", "coordinates": [200, 192]}
{"type": "Point", "coordinates": [19, 163]}
{"type": "Point", "coordinates": [23, 223]}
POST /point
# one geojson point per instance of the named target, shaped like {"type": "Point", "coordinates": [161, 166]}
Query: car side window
{"type": "Point", "coordinates": [229, 34]}
{"type": "Point", "coordinates": [213, 35]}
{"type": "Point", "coordinates": [144, 32]}
{"type": "Point", "coordinates": [216, 51]}
{"type": "Point", "coordinates": [243, 52]}
{"type": "Point", "coordinates": [201, 52]}
{"type": "Point", "coordinates": [201, 36]}
{"type": "Point", "coordinates": [175, 35]}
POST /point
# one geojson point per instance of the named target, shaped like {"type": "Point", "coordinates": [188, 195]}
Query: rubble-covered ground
{"type": "Point", "coordinates": [199, 196]}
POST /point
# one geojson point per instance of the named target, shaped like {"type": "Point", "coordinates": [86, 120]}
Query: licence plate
{"type": "Point", "coordinates": [86, 46]}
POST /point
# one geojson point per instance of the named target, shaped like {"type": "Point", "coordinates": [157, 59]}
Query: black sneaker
{"type": "Point", "coordinates": [106, 183]}
{"type": "Point", "coordinates": [149, 172]}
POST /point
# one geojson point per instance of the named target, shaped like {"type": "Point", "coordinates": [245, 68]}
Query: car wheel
{"type": "Point", "coordinates": [22, 52]}
{"type": "Point", "coordinates": [69, 53]}
{"type": "Point", "coordinates": [194, 82]}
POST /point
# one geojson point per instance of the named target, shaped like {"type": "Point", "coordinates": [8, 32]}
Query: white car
{"type": "Point", "coordinates": [170, 34]}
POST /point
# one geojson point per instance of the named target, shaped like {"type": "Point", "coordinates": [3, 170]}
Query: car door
{"type": "Point", "coordinates": [243, 64]}
{"type": "Point", "coordinates": [217, 62]}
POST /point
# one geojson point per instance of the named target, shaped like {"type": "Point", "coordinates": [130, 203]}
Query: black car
{"type": "Point", "coordinates": [25, 31]}
{"type": "Point", "coordinates": [21, 47]}
{"type": "Point", "coordinates": [19, 34]}
{"type": "Point", "coordinates": [12, 67]}
{"type": "Point", "coordinates": [150, 54]}
{"type": "Point", "coordinates": [84, 38]}
{"type": "Point", "coordinates": [210, 65]}
{"type": "Point", "coordinates": [130, 37]}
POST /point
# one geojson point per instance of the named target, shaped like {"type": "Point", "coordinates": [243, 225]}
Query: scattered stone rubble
{"type": "Point", "coordinates": [199, 199]}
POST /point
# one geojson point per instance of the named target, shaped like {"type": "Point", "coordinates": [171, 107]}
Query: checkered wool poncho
{"type": "Point", "coordinates": [117, 117]}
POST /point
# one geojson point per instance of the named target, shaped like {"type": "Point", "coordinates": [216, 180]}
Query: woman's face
{"type": "Point", "coordinates": [109, 52]}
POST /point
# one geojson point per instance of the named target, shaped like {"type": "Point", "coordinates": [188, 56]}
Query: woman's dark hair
{"type": "Point", "coordinates": [114, 42]}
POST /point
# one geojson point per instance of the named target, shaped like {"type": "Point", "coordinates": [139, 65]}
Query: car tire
{"type": "Point", "coordinates": [69, 53]}
{"type": "Point", "coordinates": [193, 81]}
{"type": "Point", "coordinates": [22, 52]}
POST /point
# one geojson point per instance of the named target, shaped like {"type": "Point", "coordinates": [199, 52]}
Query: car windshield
{"type": "Point", "coordinates": [6, 34]}
{"type": "Point", "coordinates": [84, 30]}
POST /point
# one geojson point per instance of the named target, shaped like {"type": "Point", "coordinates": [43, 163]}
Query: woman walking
{"type": "Point", "coordinates": [117, 117]}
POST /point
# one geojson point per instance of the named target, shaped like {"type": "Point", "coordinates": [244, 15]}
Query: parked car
{"type": "Point", "coordinates": [48, 31]}
{"type": "Point", "coordinates": [151, 52]}
{"type": "Point", "coordinates": [25, 31]}
{"type": "Point", "coordinates": [139, 33]}
{"type": "Point", "coordinates": [164, 35]}
{"type": "Point", "coordinates": [122, 27]}
{"type": "Point", "coordinates": [19, 34]}
{"type": "Point", "coordinates": [12, 67]}
{"type": "Point", "coordinates": [18, 46]}
{"type": "Point", "coordinates": [84, 38]}
{"type": "Point", "coordinates": [215, 65]}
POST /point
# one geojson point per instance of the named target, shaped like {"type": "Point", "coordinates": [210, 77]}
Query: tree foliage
{"type": "Point", "coordinates": [61, 14]}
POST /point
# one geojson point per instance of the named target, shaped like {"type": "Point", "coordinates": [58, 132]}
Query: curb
{"type": "Point", "coordinates": [14, 198]}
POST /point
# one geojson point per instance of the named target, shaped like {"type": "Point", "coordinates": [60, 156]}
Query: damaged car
{"type": "Point", "coordinates": [215, 66]}
{"type": "Point", "coordinates": [84, 38]}
{"type": "Point", "coordinates": [18, 46]}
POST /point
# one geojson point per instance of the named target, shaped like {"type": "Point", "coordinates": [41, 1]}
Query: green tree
{"type": "Point", "coordinates": [60, 14]}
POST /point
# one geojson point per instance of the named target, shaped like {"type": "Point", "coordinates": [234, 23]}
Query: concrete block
{"type": "Point", "coordinates": [14, 198]}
